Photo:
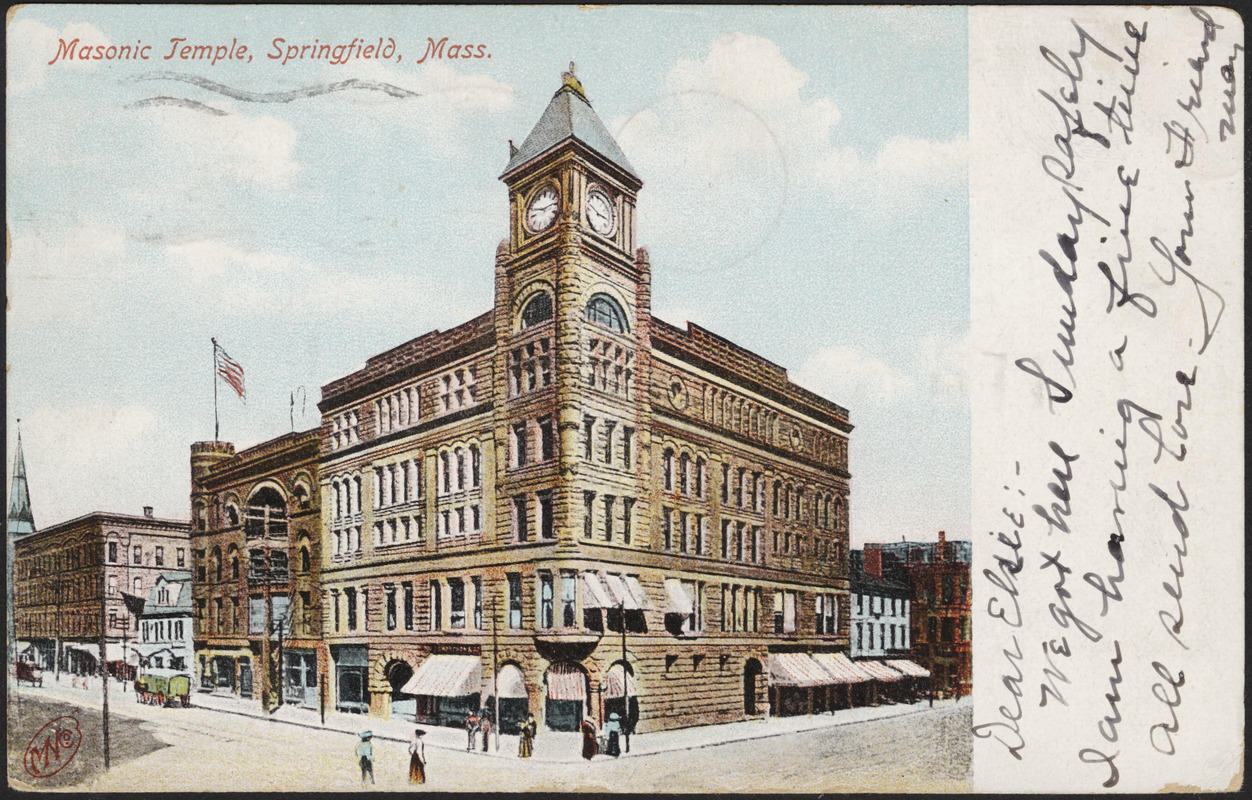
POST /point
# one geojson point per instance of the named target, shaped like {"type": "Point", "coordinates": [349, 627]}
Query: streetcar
{"type": "Point", "coordinates": [163, 687]}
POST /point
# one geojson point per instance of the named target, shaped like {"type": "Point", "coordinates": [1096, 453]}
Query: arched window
{"type": "Point", "coordinates": [217, 564]}
{"type": "Point", "coordinates": [604, 310]}
{"type": "Point", "coordinates": [266, 516]}
{"type": "Point", "coordinates": [538, 310]}
{"type": "Point", "coordinates": [233, 555]}
{"type": "Point", "coordinates": [232, 515]}
{"type": "Point", "coordinates": [304, 559]}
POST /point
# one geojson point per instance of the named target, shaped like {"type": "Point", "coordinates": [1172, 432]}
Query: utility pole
{"type": "Point", "coordinates": [104, 669]}
{"type": "Point", "coordinates": [625, 686]}
{"type": "Point", "coordinates": [495, 669]}
{"type": "Point", "coordinates": [57, 654]}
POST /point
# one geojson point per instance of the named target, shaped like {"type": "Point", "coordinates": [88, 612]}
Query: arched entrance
{"type": "Point", "coordinates": [751, 672]}
{"type": "Point", "coordinates": [398, 673]}
{"type": "Point", "coordinates": [621, 696]}
{"type": "Point", "coordinates": [514, 702]}
{"type": "Point", "coordinates": [566, 702]}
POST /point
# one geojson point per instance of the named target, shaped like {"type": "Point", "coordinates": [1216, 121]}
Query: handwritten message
{"type": "Point", "coordinates": [1106, 264]}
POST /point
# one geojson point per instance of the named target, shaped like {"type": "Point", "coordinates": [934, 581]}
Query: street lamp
{"type": "Point", "coordinates": [625, 692]}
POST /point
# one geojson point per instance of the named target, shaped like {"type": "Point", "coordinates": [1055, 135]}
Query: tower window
{"type": "Point", "coordinates": [604, 311]}
{"type": "Point", "coordinates": [537, 310]}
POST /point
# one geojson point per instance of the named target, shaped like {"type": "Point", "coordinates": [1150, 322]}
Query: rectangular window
{"type": "Point", "coordinates": [436, 606]}
{"type": "Point", "coordinates": [521, 518]}
{"type": "Point", "coordinates": [683, 521]}
{"type": "Point", "coordinates": [456, 603]}
{"type": "Point", "coordinates": [182, 557]}
{"type": "Point", "coordinates": [789, 612]}
{"type": "Point", "coordinates": [667, 526]}
{"type": "Point", "coordinates": [408, 606]}
{"type": "Point", "coordinates": [739, 541]}
{"type": "Point", "coordinates": [608, 441]}
{"type": "Point", "coordinates": [628, 508]}
{"type": "Point", "coordinates": [334, 599]}
{"type": "Point", "coordinates": [137, 555]}
{"type": "Point", "coordinates": [628, 434]}
{"type": "Point", "coordinates": [515, 599]}
{"type": "Point", "coordinates": [478, 602]}
{"type": "Point", "coordinates": [608, 517]}
{"type": "Point", "coordinates": [113, 552]}
{"type": "Point", "coordinates": [589, 509]}
{"type": "Point", "coordinates": [778, 611]}
{"type": "Point", "coordinates": [546, 600]}
{"type": "Point", "coordinates": [546, 529]}
{"type": "Point", "coordinates": [725, 483]}
{"type": "Point", "coordinates": [391, 608]}
{"type": "Point", "coordinates": [589, 432]}
{"type": "Point", "coordinates": [519, 445]}
{"type": "Point", "coordinates": [725, 538]}
{"type": "Point", "coordinates": [349, 596]}
{"type": "Point", "coordinates": [547, 439]}
{"type": "Point", "coordinates": [569, 588]}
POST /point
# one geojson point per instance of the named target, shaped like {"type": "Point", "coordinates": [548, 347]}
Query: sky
{"type": "Point", "coordinates": [805, 195]}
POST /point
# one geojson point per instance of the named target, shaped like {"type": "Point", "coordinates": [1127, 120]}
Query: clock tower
{"type": "Point", "coordinates": [572, 320]}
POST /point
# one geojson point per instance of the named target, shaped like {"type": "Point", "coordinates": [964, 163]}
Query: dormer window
{"type": "Point", "coordinates": [605, 312]}
{"type": "Point", "coordinates": [537, 311]}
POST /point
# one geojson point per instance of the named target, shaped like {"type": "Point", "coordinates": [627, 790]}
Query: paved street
{"type": "Point", "coordinates": [200, 749]}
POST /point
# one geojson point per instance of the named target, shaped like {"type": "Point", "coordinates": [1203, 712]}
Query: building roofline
{"type": "Point", "coordinates": [110, 516]}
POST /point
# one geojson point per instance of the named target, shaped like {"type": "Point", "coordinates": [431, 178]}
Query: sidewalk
{"type": "Point", "coordinates": [550, 746]}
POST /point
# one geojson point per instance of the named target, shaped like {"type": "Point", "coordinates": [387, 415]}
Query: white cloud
{"type": "Point", "coordinates": [847, 373]}
{"type": "Point", "coordinates": [31, 45]}
{"type": "Point", "coordinates": [61, 271]}
{"type": "Point", "coordinates": [249, 148]}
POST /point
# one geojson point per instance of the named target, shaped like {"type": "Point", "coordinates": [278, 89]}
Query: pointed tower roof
{"type": "Point", "coordinates": [21, 520]}
{"type": "Point", "coordinates": [569, 116]}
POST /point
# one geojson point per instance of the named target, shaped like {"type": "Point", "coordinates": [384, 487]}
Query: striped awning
{"type": "Point", "coordinates": [613, 683]}
{"type": "Point", "coordinates": [841, 669]}
{"type": "Point", "coordinates": [566, 682]}
{"type": "Point", "coordinates": [511, 682]}
{"type": "Point", "coordinates": [641, 597]}
{"type": "Point", "coordinates": [909, 668]}
{"type": "Point", "coordinates": [679, 601]}
{"type": "Point", "coordinates": [594, 593]}
{"type": "Point", "coordinates": [880, 671]}
{"type": "Point", "coordinates": [446, 676]}
{"type": "Point", "coordinates": [619, 591]}
{"type": "Point", "coordinates": [796, 669]}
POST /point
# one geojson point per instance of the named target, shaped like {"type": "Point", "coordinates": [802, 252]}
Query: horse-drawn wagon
{"type": "Point", "coordinates": [163, 687]}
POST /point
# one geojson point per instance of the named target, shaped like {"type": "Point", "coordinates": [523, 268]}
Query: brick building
{"type": "Point", "coordinates": [938, 577]}
{"type": "Point", "coordinates": [571, 504]}
{"type": "Point", "coordinates": [880, 608]}
{"type": "Point", "coordinates": [256, 567]}
{"type": "Point", "coordinates": [70, 579]}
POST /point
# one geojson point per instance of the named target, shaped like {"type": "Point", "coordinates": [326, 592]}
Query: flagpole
{"type": "Point", "coordinates": [215, 422]}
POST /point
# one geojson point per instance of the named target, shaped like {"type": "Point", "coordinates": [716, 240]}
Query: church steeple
{"type": "Point", "coordinates": [21, 519]}
{"type": "Point", "coordinates": [569, 116]}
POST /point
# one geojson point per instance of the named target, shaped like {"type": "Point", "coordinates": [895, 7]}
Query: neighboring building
{"type": "Point", "coordinates": [880, 609]}
{"type": "Point", "coordinates": [62, 571]}
{"type": "Point", "coordinates": [256, 563]}
{"type": "Point", "coordinates": [21, 522]}
{"type": "Point", "coordinates": [611, 512]}
{"type": "Point", "coordinates": [164, 638]}
{"type": "Point", "coordinates": [938, 577]}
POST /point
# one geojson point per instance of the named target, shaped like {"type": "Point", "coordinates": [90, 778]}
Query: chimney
{"type": "Point", "coordinates": [147, 511]}
{"type": "Point", "coordinates": [873, 562]}
{"type": "Point", "coordinates": [943, 547]}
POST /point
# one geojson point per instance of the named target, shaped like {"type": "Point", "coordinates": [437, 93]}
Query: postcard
{"type": "Point", "coordinates": [628, 399]}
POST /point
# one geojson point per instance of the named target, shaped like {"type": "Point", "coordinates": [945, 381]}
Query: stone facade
{"type": "Point", "coordinates": [70, 578]}
{"type": "Point", "coordinates": [567, 483]}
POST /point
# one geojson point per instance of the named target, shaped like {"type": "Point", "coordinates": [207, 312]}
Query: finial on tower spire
{"type": "Point", "coordinates": [571, 80]}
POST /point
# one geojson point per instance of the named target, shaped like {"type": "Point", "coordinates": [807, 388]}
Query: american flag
{"type": "Point", "coordinates": [229, 370]}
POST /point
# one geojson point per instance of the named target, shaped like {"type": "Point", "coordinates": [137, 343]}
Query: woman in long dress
{"type": "Point", "coordinates": [526, 744]}
{"type": "Point", "coordinates": [417, 757]}
{"type": "Point", "coordinates": [589, 739]}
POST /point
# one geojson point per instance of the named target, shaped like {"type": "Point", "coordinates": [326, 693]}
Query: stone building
{"type": "Point", "coordinates": [256, 569]}
{"type": "Point", "coordinates": [70, 579]}
{"type": "Point", "coordinates": [570, 504]}
{"type": "Point", "coordinates": [938, 577]}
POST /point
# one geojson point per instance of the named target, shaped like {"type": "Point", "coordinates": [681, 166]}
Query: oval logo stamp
{"type": "Point", "coordinates": [53, 747]}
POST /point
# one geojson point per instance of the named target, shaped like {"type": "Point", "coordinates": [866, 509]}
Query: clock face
{"type": "Point", "coordinates": [599, 212]}
{"type": "Point", "coordinates": [541, 212]}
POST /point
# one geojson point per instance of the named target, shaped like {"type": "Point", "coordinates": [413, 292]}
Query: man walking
{"type": "Point", "coordinates": [365, 752]}
{"type": "Point", "coordinates": [485, 724]}
{"type": "Point", "coordinates": [471, 730]}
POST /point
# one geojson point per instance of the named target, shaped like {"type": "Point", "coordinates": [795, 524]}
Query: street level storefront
{"type": "Point", "coordinates": [917, 678]}
{"type": "Point", "coordinates": [793, 679]}
{"type": "Point", "coordinates": [351, 678]}
{"type": "Point", "coordinates": [887, 681]}
{"type": "Point", "coordinates": [447, 688]}
{"type": "Point", "coordinates": [847, 680]}
{"type": "Point", "coordinates": [514, 699]}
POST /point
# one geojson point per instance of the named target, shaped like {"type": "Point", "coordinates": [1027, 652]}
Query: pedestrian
{"type": "Point", "coordinates": [613, 732]}
{"type": "Point", "coordinates": [485, 724]}
{"type": "Point", "coordinates": [526, 744]}
{"type": "Point", "coordinates": [471, 729]}
{"type": "Point", "coordinates": [417, 757]}
{"type": "Point", "coordinates": [589, 738]}
{"type": "Point", "coordinates": [365, 752]}
{"type": "Point", "coordinates": [932, 698]}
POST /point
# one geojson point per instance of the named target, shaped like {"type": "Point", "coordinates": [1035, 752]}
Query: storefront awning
{"type": "Point", "coordinates": [613, 683]}
{"type": "Point", "coordinates": [620, 592]}
{"type": "Point", "coordinates": [796, 669]}
{"type": "Point", "coordinates": [909, 668]}
{"type": "Point", "coordinates": [566, 682]}
{"type": "Point", "coordinates": [679, 601]}
{"type": "Point", "coordinates": [641, 597]}
{"type": "Point", "coordinates": [446, 676]}
{"type": "Point", "coordinates": [880, 671]}
{"type": "Point", "coordinates": [594, 593]}
{"type": "Point", "coordinates": [92, 650]}
{"type": "Point", "coordinates": [841, 668]}
{"type": "Point", "coordinates": [510, 681]}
